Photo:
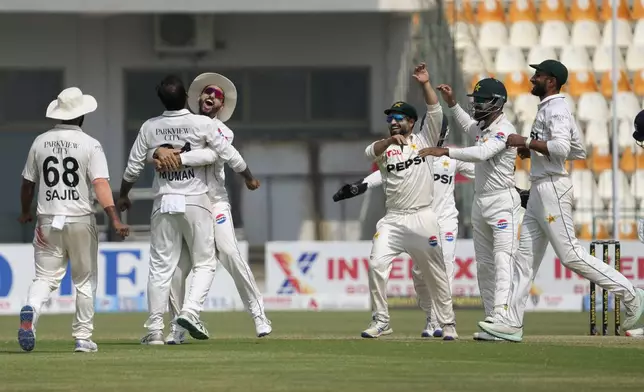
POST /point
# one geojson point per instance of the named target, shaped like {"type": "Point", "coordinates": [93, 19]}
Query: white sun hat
{"type": "Point", "coordinates": [207, 79]}
{"type": "Point", "coordinates": [70, 104]}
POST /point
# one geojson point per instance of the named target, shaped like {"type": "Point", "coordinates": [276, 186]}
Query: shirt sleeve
{"type": "Point", "coordinates": [492, 146]}
{"type": "Point", "coordinates": [465, 168]}
{"type": "Point", "coordinates": [371, 154]}
{"type": "Point", "coordinates": [223, 149]}
{"type": "Point", "coordinates": [30, 172]}
{"type": "Point", "coordinates": [577, 145]}
{"type": "Point", "coordinates": [559, 126]}
{"type": "Point", "coordinates": [137, 158]}
{"type": "Point", "coordinates": [430, 126]}
{"type": "Point", "coordinates": [463, 121]}
{"type": "Point", "coordinates": [201, 157]}
{"type": "Point", "coordinates": [373, 180]}
{"type": "Point", "coordinates": [98, 163]}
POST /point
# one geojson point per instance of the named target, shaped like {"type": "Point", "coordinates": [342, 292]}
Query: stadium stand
{"type": "Point", "coordinates": [501, 38]}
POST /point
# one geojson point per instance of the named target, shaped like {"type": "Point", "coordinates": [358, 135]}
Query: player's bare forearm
{"type": "Point", "coordinates": [380, 146]}
{"type": "Point", "coordinates": [112, 214]}
{"type": "Point", "coordinates": [126, 187]}
{"type": "Point", "coordinates": [27, 191]}
{"type": "Point", "coordinates": [248, 176]}
{"type": "Point", "coordinates": [429, 94]}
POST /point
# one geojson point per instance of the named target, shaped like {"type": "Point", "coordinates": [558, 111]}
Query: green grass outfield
{"type": "Point", "coordinates": [322, 352]}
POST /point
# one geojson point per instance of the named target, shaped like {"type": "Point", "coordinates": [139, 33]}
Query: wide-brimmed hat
{"type": "Point", "coordinates": [70, 104]}
{"type": "Point", "coordinates": [207, 79]}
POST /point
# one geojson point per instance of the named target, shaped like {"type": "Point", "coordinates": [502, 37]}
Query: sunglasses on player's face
{"type": "Point", "coordinates": [397, 117]}
{"type": "Point", "coordinates": [213, 90]}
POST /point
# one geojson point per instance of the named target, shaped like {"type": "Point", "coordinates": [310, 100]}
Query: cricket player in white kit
{"type": "Point", "coordinates": [410, 224]}
{"type": "Point", "coordinates": [554, 139]}
{"type": "Point", "coordinates": [496, 206]}
{"type": "Point", "coordinates": [215, 96]}
{"type": "Point", "coordinates": [181, 208]}
{"type": "Point", "coordinates": [445, 170]}
{"type": "Point", "coordinates": [65, 162]}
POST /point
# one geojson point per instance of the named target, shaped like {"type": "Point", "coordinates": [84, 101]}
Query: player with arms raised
{"type": "Point", "coordinates": [410, 224]}
{"type": "Point", "coordinates": [65, 162]}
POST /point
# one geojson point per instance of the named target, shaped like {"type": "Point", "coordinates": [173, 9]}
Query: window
{"type": "Point", "coordinates": [26, 93]}
{"type": "Point", "coordinates": [340, 94]}
{"type": "Point", "coordinates": [141, 101]}
{"type": "Point", "coordinates": [277, 95]}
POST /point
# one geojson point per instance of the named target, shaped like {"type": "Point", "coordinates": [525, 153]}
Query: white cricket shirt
{"type": "Point", "coordinates": [217, 188]}
{"type": "Point", "coordinates": [494, 163]}
{"type": "Point", "coordinates": [63, 162]}
{"type": "Point", "coordinates": [178, 129]}
{"type": "Point", "coordinates": [445, 170]}
{"type": "Point", "coordinates": [555, 124]}
{"type": "Point", "coordinates": [404, 174]}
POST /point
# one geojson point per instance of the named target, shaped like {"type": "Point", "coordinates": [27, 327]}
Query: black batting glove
{"type": "Point", "coordinates": [350, 190]}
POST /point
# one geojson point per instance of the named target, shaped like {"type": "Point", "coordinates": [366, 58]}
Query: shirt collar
{"type": "Point", "coordinates": [68, 127]}
{"type": "Point", "coordinates": [550, 98]}
{"type": "Point", "coordinates": [174, 113]}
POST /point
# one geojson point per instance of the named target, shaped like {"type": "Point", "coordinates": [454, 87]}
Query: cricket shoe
{"type": "Point", "coordinates": [377, 329]}
{"type": "Point", "coordinates": [431, 331]}
{"type": "Point", "coordinates": [449, 332]}
{"type": "Point", "coordinates": [635, 333]}
{"type": "Point", "coordinates": [177, 335]}
{"type": "Point", "coordinates": [26, 333]}
{"type": "Point", "coordinates": [262, 326]}
{"type": "Point", "coordinates": [486, 337]}
{"type": "Point", "coordinates": [195, 327]}
{"type": "Point", "coordinates": [85, 346]}
{"type": "Point", "coordinates": [634, 311]}
{"type": "Point", "coordinates": [154, 338]}
{"type": "Point", "coordinates": [501, 330]}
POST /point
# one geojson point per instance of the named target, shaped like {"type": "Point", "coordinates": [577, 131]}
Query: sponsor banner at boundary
{"type": "Point", "coordinates": [122, 281]}
{"type": "Point", "coordinates": [299, 269]}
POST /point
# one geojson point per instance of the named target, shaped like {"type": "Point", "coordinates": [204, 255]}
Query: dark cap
{"type": "Point", "coordinates": [489, 88]}
{"type": "Point", "coordinates": [553, 68]}
{"type": "Point", "coordinates": [403, 108]}
{"type": "Point", "coordinates": [639, 127]}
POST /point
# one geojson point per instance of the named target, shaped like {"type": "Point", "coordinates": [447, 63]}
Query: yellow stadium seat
{"type": "Point", "coordinates": [580, 164]}
{"type": "Point", "coordinates": [584, 10]}
{"type": "Point", "coordinates": [627, 229]}
{"type": "Point", "coordinates": [627, 161]}
{"type": "Point", "coordinates": [622, 10]}
{"type": "Point", "coordinates": [606, 84]}
{"type": "Point", "coordinates": [638, 82]}
{"type": "Point", "coordinates": [581, 82]}
{"type": "Point", "coordinates": [522, 10]}
{"type": "Point", "coordinates": [459, 11]}
{"type": "Point", "coordinates": [490, 11]}
{"type": "Point", "coordinates": [638, 10]}
{"type": "Point", "coordinates": [601, 231]}
{"type": "Point", "coordinates": [517, 83]}
{"type": "Point", "coordinates": [600, 162]}
{"type": "Point", "coordinates": [553, 10]}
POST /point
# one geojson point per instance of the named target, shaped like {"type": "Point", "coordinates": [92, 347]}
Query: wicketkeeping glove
{"type": "Point", "coordinates": [350, 190]}
{"type": "Point", "coordinates": [524, 194]}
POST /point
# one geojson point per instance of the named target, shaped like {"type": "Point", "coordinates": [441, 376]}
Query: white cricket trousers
{"type": "Point", "coordinates": [416, 233]}
{"type": "Point", "coordinates": [448, 233]}
{"type": "Point", "coordinates": [168, 233]}
{"type": "Point", "coordinates": [548, 219]}
{"type": "Point", "coordinates": [78, 243]}
{"type": "Point", "coordinates": [230, 258]}
{"type": "Point", "coordinates": [496, 218]}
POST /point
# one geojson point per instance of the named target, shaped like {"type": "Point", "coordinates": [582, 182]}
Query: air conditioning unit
{"type": "Point", "coordinates": [183, 33]}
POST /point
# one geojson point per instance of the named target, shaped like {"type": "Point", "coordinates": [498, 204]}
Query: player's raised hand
{"type": "Point", "coordinates": [420, 73]}
{"type": "Point", "coordinates": [124, 203]}
{"type": "Point", "coordinates": [447, 93]}
{"type": "Point", "coordinates": [398, 140]}
{"type": "Point", "coordinates": [25, 218]}
{"type": "Point", "coordinates": [252, 184]}
{"type": "Point", "coordinates": [432, 151]}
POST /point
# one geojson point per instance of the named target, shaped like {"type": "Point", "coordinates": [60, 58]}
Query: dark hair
{"type": "Point", "coordinates": [172, 93]}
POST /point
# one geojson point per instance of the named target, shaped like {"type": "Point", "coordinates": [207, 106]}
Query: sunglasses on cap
{"type": "Point", "coordinates": [210, 90]}
{"type": "Point", "coordinates": [397, 117]}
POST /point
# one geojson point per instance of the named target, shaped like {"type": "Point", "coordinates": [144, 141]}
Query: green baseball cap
{"type": "Point", "coordinates": [489, 88]}
{"type": "Point", "coordinates": [403, 108]}
{"type": "Point", "coordinates": [553, 68]}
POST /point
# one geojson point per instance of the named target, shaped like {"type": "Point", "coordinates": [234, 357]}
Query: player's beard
{"type": "Point", "coordinates": [538, 89]}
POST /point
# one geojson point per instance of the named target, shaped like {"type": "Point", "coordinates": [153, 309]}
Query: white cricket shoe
{"type": "Point", "coordinates": [85, 346]}
{"type": "Point", "coordinates": [486, 337]}
{"type": "Point", "coordinates": [177, 335]}
{"type": "Point", "coordinates": [634, 311]}
{"type": "Point", "coordinates": [635, 333]}
{"type": "Point", "coordinates": [262, 326]}
{"type": "Point", "coordinates": [195, 327]}
{"type": "Point", "coordinates": [502, 330]}
{"type": "Point", "coordinates": [449, 332]}
{"type": "Point", "coordinates": [153, 338]}
{"type": "Point", "coordinates": [377, 329]}
{"type": "Point", "coordinates": [431, 331]}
